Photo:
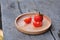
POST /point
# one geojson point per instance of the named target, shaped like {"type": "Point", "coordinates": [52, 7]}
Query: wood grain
{"type": "Point", "coordinates": [10, 11]}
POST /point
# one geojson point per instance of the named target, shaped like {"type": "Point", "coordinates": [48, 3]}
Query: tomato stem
{"type": "Point", "coordinates": [39, 13]}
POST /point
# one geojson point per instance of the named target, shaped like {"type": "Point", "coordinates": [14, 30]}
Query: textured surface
{"type": "Point", "coordinates": [12, 8]}
{"type": "Point", "coordinates": [52, 9]}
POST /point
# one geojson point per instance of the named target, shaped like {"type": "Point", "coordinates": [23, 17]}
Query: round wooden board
{"type": "Point", "coordinates": [32, 30]}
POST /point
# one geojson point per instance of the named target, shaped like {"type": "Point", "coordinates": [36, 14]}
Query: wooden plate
{"type": "Point", "coordinates": [29, 28]}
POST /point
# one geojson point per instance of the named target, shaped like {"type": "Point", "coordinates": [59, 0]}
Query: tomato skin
{"type": "Point", "coordinates": [38, 18]}
{"type": "Point", "coordinates": [37, 24]}
{"type": "Point", "coordinates": [27, 20]}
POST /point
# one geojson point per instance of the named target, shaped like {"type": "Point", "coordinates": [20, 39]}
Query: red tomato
{"type": "Point", "coordinates": [37, 24]}
{"type": "Point", "coordinates": [28, 20]}
{"type": "Point", "coordinates": [38, 18]}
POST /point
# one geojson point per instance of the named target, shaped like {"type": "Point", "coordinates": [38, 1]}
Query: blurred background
{"type": "Point", "coordinates": [0, 16]}
{"type": "Point", "coordinates": [1, 31]}
{"type": "Point", "coordinates": [0, 19]}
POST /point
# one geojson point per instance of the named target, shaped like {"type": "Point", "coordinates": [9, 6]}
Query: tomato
{"type": "Point", "coordinates": [37, 24]}
{"type": "Point", "coordinates": [38, 18]}
{"type": "Point", "coordinates": [27, 20]}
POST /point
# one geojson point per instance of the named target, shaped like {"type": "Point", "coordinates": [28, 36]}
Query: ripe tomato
{"type": "Point", "coordinates": [37, 24]}
{"type": "Point", "coordinates": [27, 20]}
{"type": "Point", "coordinates": [38, 18]}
